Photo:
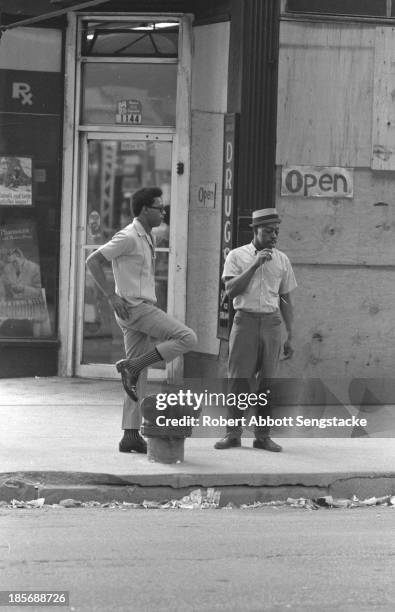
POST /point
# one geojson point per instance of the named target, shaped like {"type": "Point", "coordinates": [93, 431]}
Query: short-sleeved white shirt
{"type": "Point", "coordinates": [272, 279]}
{"type": "Point", "coordinates": [132, 254]}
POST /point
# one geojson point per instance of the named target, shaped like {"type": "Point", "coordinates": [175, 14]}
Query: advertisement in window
{"type": "Point", "coordinates": [23, 307]}
{"type": "Point", "coordinates": [15, 181]}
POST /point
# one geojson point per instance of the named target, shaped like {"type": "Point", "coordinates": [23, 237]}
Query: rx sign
{"type": "Point", "coordinates": [31, 92]}
{"type": "Point", "coordinates": [22, 92]}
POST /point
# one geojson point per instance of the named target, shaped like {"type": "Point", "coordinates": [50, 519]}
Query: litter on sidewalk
{"type": "Point", "coordinates": [327, 501]}
{"type": "Point", "coordinates": [209, 499]}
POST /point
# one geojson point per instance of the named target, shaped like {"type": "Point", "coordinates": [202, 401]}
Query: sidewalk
{"type": "Point", "coordinates": [59, 439]}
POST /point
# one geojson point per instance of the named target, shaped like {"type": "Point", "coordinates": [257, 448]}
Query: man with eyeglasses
{"type": "Point", "coordinates": [259, 278]}
{"type": "Point", "coordinates": [150, 335]}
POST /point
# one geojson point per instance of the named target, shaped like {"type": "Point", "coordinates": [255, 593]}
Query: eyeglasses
{"type": "Point", "coordinates": [160, 208]}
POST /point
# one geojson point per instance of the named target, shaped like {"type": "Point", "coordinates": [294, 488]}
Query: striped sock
{"type": "Point", "coordinates": [131, 434]}
{"type": "Point", "coordinates": [134, 366]}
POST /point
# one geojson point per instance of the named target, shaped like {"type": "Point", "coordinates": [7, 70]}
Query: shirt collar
{"type": "Point", "coordinates": [142, 232]}
{"type": "Point", "coordinates": [139, 227]}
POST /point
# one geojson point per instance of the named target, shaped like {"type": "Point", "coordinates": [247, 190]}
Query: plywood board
{"type": "Point", "coordinates": [383, 122]}
{"type": "Point", "coordinates": [344, 323]}
{"type": "Point", "coordinates": [325, 94]}
{"type": "Point", "coordinates": [342, 231]}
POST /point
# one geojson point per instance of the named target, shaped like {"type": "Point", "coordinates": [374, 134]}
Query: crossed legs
{"type": "Point", "coordinates": [150, 335]}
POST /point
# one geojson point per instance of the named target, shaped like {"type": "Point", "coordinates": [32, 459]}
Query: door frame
{"type": "Point", "coordinates": [100, 370]}
{"type": "Point", "coordinates": [70, 225]}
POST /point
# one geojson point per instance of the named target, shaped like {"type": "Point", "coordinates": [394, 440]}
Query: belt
{"type": "Point", "coordinates": [258, 314]}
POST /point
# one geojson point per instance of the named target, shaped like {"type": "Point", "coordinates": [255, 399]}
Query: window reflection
{"type": "Point", "coordinates": [162, 236]}
{"type": "Point", "coordinates": [150, 87]}
{"type": "Point", "coordinates": [116, 169]}
{"type": "Point", "coordinates": [135, 39]}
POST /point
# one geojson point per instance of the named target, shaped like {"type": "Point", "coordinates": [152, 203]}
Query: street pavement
{"type": "Point", "coordinates": [59, 439]}
{"type": "Point", "coordinates": [251, 560]}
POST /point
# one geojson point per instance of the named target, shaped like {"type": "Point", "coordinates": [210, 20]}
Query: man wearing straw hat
{"type": "Point", "coordinates": [259, 278]}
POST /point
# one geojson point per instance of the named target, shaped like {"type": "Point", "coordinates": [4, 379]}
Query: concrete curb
{"type": "Point", "coordinates": [235, 488]}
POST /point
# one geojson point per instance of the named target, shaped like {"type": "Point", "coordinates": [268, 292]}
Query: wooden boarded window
{"type": "Point", "coordinates": [325, 97]}
{"type": "Point", "coordinates": [361, 8]}
{"type": "Point", "coordinates": [383, 125]}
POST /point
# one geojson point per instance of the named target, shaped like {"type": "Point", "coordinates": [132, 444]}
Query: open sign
{"type": "Point", "coordinates": [206, 195]}
{"type": "Point", "coordinates": [317, 182]}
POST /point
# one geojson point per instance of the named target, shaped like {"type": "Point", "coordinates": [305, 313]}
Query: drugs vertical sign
{"type": "Point", "coordinates": [228, 218]}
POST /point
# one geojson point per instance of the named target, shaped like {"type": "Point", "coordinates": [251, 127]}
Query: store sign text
{"type": "Point", "coordinates": [23, 92]}
{"type": "Point", "coordinates": [317, 182]}
{"type": "Point", "coordinates": [30, 92]}
{"type": "Point", "coordinates": [227, 210]}
{"type": "Point", "coordinates": [206, 195]}
{"type": "Point", "coordinates": [225, 311]}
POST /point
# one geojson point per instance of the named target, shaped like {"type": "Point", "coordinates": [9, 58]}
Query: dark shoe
{"type": "Point", "coordinates": [267, 444]}
{"type": "Point", "coordinates": [129, 380]}
{"type": "Point", "coordinates": [228, 442]}
{"type": "Point", "coordinates": [128, 444]}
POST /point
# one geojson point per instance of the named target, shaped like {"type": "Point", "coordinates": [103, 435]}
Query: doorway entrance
{"type": "Point", "coordinates": [113, 167]}
{"type": "Point", "coordinates": [130, 105]}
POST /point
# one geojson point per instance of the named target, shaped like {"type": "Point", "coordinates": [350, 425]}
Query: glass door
{"type": "Point", "coordinates": [113, 167]}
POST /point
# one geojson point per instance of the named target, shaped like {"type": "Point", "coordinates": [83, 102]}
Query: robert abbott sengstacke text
{"type": "Point", "coordinates": [258, 421]}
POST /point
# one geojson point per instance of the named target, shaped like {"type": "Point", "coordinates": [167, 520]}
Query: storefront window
{"type": "Point", "coordinates": [29, 232]}
{"type": "Point", "coordinates": [30, 149]}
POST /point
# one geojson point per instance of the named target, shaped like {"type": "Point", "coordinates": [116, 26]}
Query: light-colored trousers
{"type": "Point", "coordinates": [148, 327]}
{"type": "Point", "coordinates": [254, 352]}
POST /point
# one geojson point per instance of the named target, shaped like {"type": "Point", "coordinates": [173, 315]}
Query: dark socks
{"type": "Point", "coordinates": [135, 365]}
{"type": "Point", "coordinates": [131, 434]}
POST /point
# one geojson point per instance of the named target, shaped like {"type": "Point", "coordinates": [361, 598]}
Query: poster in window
{"type": "Point", "coordinates": [15, 181]}
{"type": "Point", "coordinates": [23, 306]}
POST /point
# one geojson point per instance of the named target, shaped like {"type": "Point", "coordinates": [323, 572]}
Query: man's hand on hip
{"type": "Point", "coordinates": [119, 305]}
